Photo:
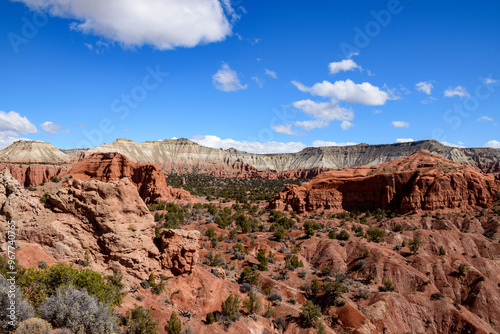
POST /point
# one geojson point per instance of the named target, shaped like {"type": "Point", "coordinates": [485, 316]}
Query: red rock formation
{"type": "Point", "coordinates": [33, 175]}
{"type": "Point", "coordinates": [422, 181]}
{"type": "Point", "coordinates": [179, 251]}
{"type": "Point", "coordinates": [148, 178]}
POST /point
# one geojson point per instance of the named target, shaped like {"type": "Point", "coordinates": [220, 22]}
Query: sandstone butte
{"type": "Point", "coordinates": [112, 166]}
{"type": "Point", "coordinates": [422, 181]}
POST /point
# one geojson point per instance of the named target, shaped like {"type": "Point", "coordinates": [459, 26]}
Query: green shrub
{"type": "Point", "coordinates": [269, 313]}
{"type": "Point", "coordinates": [375, 234]}
{"type": "Point", "coordinates": [78, 311]}
{"type": "Point", "coordinates": [309, 315]}
{"type": "Point", "coordinates": [262, 258]}
{"type": "Point", "coordinates": [397, 228]}
{"type": "Point", "coordinates": [442, 251]}
{"type": "Point", "coordinates": [279, 235]}
{"type": "Point", "coordinates": [231, 308]}
{"type": "Point", "coordinates": [332, 234]}
{"type": "Point", "coordinates": [174, 325]}
{"type": "Point", "coordinates": [343, 235]}
{"type": "Point", "coordinates": [210, 319]}
{"type": "Point", "coordinates": [140, 320]}
{"type": "Point", "coordinates": [252, 303]}
{"type": "Point", "coordinates": [461, 269]}
{"type": "Point", "coordinates": [34, 326]}
{"type": "Point", "coordinates": [389, 285]}
{"type": "Point", "coordinates": [414, 244]}
{"type": "Point", "coordinates": [315, 287]}
{"type": "Point", "coordinates": [248, 275]}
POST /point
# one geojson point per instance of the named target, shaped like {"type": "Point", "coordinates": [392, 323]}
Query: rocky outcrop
{"type": "Point", "coordinates": [115, 215]}
{"type": "Point", "coordinates": [148, 178]}
{"type": "Point", "coordinates": [179, 251]}
{"type": "Point", "coordinates": [14, 199]}
{"type": "Point", "coordinates": [33, 151]}
{"type": "Point", "coordinates": [423, 181]}
{"type": "Point", "coordinates": [33, 175]}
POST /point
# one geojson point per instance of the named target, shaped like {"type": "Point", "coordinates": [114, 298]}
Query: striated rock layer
{"type": "Point", "coordinates": [423, 181]}
{"type": "Point", "coordinates": [148, 178]}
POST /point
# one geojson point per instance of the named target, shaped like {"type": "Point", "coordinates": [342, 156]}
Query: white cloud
{"type": "Point", "coordinates": [227, 80]}
{"type": "Point", "coordinates": [485, 119]}
{"type": "Point", "coordinates": [322, 143]}
{"type": "Point", "coordinates": [425, 87]}
{"type": "Point", "coordinates": [404, 140]}
{"type": "Point", "coordinates": [353, 54]}
{"type": "Point", "coordinates": [400, 124]}
{"type": "Point", "coordinates": [457, 91]}
{"type": "Point", "coordinates": [253, 147]}
{"type": "Point", "coordinates": [378, 111]}
{"type": "Point", "coordinates": [347, 91]}
{"type": "Point", "coordinates": [346, 125]}
{"type": "Point", "coordinates": [12, 121]}
{"type": "Point", "coordinates": [323, 113]}
{"type": "Point", "coordinates": [11, 125]}
{"type": "Point", "coordinates": [53, 128]}
{"type": "Point", "coordinates": [453, 145]}
{"type": "Point", "coordinates": [283, 128]}
{"type": "Point", "coordinates": [165, 24]}
{"type": "Point", "coordinates": [428, 100]}
{"type": "Point", "coordinates": [260, 82]}
{"type": "Point", "coordinates": [490, 81]}
{"type": "Point", "coordinates": [81, 126]}
{"type": "Point", "coordinates": [311, 124]}
{"type": "Point", "coordinates": [271, 74]}
{"type": "Point", "coordinates": [344, 66]}
{"type": "Point", "coordinates": [493, 144]}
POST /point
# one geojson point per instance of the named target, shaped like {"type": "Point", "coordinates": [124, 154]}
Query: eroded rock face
{"type": "Point", "coordinates": [116, 215]}
{"type": "Point", "coordinates": [148, 178]}
{"type": "Point", "coordinates": [423, 181]}
{"type": "Point", "coordinates": [179, 251]}
{"type": "Point", "coordinates": [13, 198]}
{"type": "Point", "coordinates": [33, 175]}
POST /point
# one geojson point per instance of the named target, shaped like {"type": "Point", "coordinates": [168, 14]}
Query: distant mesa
{"type": "Point", "coordinates": [32, 151]}
{"type": "Point", "coordinates": [422, 181]}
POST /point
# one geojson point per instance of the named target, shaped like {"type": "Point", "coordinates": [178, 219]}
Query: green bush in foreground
{"type": "Point", "coordinates": [140, 320]}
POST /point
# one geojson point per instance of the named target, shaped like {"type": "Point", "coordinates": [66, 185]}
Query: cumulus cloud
{"type": "Point", "coordinates": [53, 128]}
{"type": "Point", "coordinates": [283, 128]}
{"type": "Point", "coordinates": [425, 87]}
{"type": "Point", "coordinates": [247, 146]}
{"type": "Point", "coordinates": [344, 66]}
{"type": "Point", "coordinates": [322, 143]}
{"type": "Point", "coordinates": [347, 91]}
{"type": "Point", "coordinates": [457, 91]}
{"type": "Point", "coordinates": [493, 144]}
{"type": "Point", "coordinates": [485, 119]}
{"type": "Point", "coordinates": [260, 82]}
{"type": "Point", "coordinates": [490, 81]}
{"type": "Point", "coordinates": [12, 121]}
{"type": "Point", "coordinates": [400, 124]}
{"type": "Point", "coordinates": [428, 100]}
{"type": "Point", "coordinates": [404, 140]}
{"type": "Point", "coordinates": [227, 80]}
{"type": "Point", "coordinates": [165, 24]}
{"type": "Point", "coordinates": [12, 125]}
{"type": "Point", "coordinates": [271, 74]}
{"type": "Point", "coordinates": [323, 113]}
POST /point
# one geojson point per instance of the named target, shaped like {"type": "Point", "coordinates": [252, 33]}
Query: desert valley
{"type": "Point", "coordinates": [400, 238]}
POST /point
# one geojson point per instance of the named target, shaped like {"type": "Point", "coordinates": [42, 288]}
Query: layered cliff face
{"type": "Point", "coordinates": [148, 178]}
{"type": "Point", "coordinates": [422, 181]}
{"type": "Point", "coordinates": [182, 155]}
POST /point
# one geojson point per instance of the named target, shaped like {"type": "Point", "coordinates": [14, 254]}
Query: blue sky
{"type": "Point", "coordinates": [261, 76]}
